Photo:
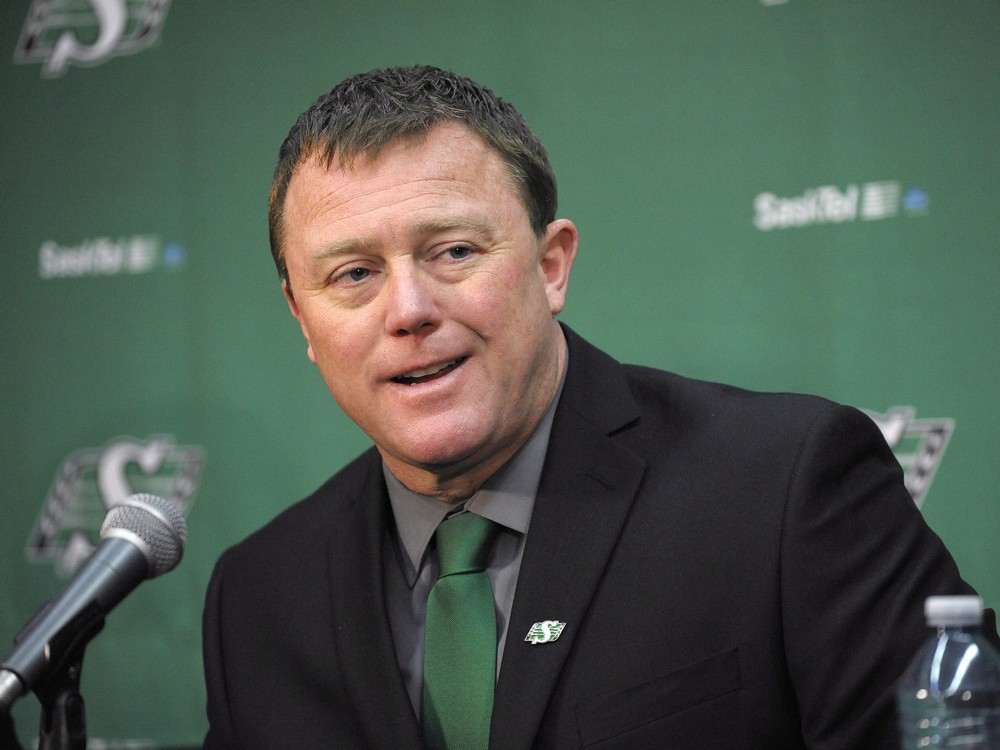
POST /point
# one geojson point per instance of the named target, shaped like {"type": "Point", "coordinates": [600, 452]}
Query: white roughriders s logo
{"type": "Point", "coordinates": [918, 444]}
{"type": "Point", "coordinates": [53, 30]}
{"type": "Point", "coordinates": [92, 480]}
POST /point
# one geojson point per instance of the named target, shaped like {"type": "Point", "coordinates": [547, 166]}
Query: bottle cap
{"type": "Point", "coordinates": [955, 611]}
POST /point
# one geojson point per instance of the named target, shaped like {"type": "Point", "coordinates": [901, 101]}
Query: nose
{"type": "Point", "coordinates": [410, 300]}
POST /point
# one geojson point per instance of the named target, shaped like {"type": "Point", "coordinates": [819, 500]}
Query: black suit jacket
{"type": "Point", "coordinates": [735, 570]}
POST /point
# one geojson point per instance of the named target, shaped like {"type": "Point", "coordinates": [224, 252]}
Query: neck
{"type": "Point", "coordinates": [452, 485]}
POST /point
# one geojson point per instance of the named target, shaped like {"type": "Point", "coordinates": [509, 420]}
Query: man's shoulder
{"type": "Point", "coordinates": [650, 384]}
{"type": "Point", "coordinates": [651, 398]}
{"type": "Point", "coordinates": [718, 417]}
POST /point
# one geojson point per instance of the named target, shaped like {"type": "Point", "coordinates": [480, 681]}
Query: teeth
{"type": "Point", "coordinates": [430, 370]}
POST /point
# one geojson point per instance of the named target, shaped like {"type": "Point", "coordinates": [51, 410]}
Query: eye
{"type": "Point", "coordinates": [353, 275]}
{"type": "Point", "coordinates": [358, 274]}
{"type": "Point", "coordinates": [459, 252]}
{"type": "Point", "coordinates": [350, 277]}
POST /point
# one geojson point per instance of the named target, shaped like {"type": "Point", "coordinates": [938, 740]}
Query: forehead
{"type": "Point", "coordinates": [450, 158]}
{"type": "Point", "coordinates": [451, 177]}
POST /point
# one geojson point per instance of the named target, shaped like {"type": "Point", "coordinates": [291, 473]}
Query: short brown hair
{"type": "Point", "coordinates": [362, 114]}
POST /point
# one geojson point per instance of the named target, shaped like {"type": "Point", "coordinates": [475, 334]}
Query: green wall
{"type": "Point", "coordinates": [795, 195]}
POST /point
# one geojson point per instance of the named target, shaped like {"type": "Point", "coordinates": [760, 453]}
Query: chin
{"type": "Point", "coordinates": [438, 454]}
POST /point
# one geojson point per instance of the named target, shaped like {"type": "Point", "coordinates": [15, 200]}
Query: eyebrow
{"type": "Point", "coordinates": [345, 247]}
{"type": "Point", "coordinates": [433, 226]}
{"type": "Point", "coordinates": [421, 229]}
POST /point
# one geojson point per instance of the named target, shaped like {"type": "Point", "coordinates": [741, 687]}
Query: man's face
{"type": "Point", "coordinates": [428, 303]}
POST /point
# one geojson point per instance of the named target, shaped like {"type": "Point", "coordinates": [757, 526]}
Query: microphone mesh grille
{"type": "Point", "coordinates": [158, 522]}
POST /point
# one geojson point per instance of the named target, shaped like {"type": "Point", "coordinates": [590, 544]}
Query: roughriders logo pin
{"type": "Point", "coordinates": [919, 445]}
{"type": "Point", "coordinates": [60, 33]}
{"type": "Point", "coordinates": [544, 632]}
{"type": "Point", "coordinates": [92, 480]}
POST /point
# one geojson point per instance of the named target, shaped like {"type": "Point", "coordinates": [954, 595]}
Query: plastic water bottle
{"type": "Point", "coordinates": [950, 695]}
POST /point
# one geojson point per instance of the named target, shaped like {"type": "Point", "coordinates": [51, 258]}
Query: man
{"type": "Point", "coordinates": [673, 563]}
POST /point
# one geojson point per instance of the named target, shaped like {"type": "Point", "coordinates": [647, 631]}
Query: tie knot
{"type": "Point", "coordinates": [463, 543]}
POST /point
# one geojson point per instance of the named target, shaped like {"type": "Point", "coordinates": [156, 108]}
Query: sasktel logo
{"type": "Point", "coordinates": [103, 256]}
{"type": "Point", "coordinates": [53, 31]}
{"type": "Point", "coordinates": [828, 204]}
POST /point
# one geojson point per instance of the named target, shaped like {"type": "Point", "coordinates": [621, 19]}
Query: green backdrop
{"type": "Point", "coordinates": [785, 195]}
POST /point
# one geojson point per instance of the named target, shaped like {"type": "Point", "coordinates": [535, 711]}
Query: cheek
{"type": "Point", "coordinates": [330, 344]}
{"type": "Point", "coordinates": [336, 353]}
{"type": "Point", "coordinates": [520, 289]}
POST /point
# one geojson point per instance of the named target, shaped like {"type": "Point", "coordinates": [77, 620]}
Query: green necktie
{"type": "Point", "coordinates": [460, 638]}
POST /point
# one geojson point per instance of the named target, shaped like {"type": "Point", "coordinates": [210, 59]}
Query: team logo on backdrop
{"type": "Point", "coordinates": [104, 256]}
{"type": "Point", "coordinates": [919, 445]}
{"type": "Point", "coordinates": [60, 33]}
{"type": "Point", "coordinates": [93, 479]}
{"type": "Point", "coordinates": [830, 204]}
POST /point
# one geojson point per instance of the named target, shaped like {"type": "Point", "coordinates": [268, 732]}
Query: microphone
{"type": "Point", "coordinates": [141, 538]}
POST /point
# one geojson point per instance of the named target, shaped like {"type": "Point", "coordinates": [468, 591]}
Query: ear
{"type": "Point", "coordinates": [293, 306]}
{"type": "Point", "coordinates": [558, 247]}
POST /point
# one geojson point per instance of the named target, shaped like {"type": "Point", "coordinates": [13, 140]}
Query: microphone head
{"type": "Point", "coordinates": [154, 525]}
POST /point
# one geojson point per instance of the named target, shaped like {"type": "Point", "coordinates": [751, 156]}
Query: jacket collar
{"type": "Point", "coordinates": [588, 487]}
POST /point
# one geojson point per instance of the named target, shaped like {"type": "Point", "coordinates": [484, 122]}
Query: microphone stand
{"type": "Point", "coordinates": [63, 724]}
{"type": "Point", "coordinates": [8, 737]}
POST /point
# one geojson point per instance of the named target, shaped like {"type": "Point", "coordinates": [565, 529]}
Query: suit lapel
{"type": "Point", "coordinates": [361, 623]}
{"type": "Point", "coordinates": [588, 486]}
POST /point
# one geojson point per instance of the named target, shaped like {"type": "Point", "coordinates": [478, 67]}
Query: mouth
{"type": "Point", "coordinates": [428, 373]}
